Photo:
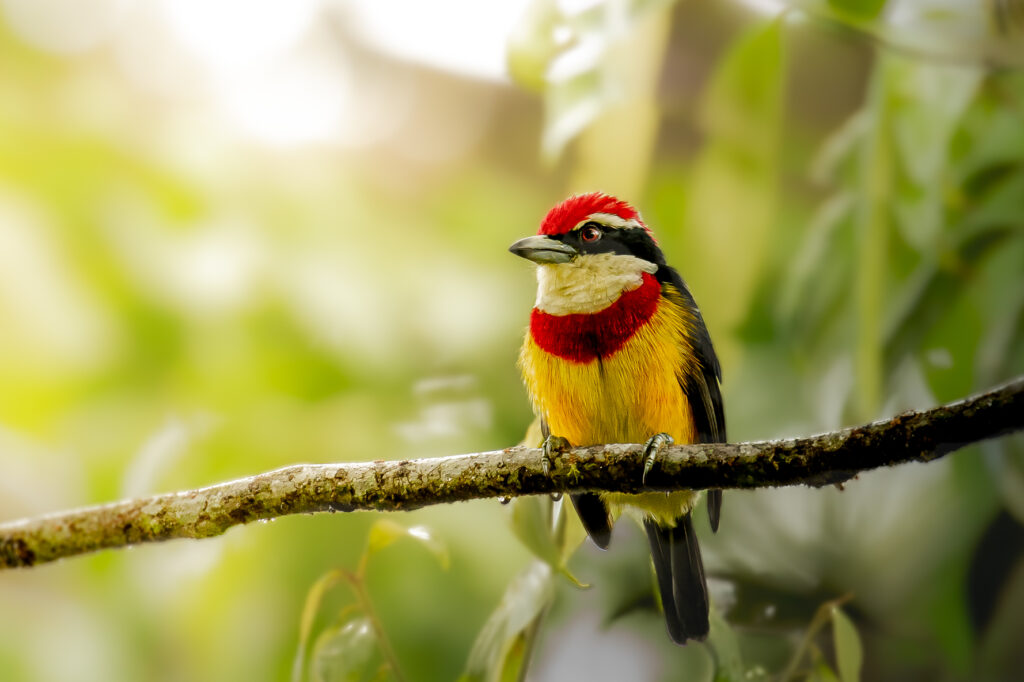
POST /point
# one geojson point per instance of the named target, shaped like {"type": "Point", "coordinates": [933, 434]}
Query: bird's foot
{"type": "Point", "coordinates": [652, 449]}
{"type": "Point", "coordinates": [552, 448]}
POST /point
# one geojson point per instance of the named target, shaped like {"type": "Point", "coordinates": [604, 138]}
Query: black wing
{"type": "Point", "coordinates": [702, 386]}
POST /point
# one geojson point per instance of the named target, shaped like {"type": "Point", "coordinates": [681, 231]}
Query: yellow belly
{"type": "Point", "coordinates": [625, 398]}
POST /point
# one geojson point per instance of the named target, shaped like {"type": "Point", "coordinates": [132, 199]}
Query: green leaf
{"type": "Point", "coordinates": [726, 646]}
{"type": "Point", "coordinates": [839, 148]}
{"type": "Point", "coordinates": [927, 296]}
{"type": "Point", "coordinates": [927, 102]}
{"type": "Point", "coordinates": [532, 45]}
{"type": "Point", "coordinates": [849, 652]}
{"type": "Point", "coordinates": [385, 532]}
{"type": "Point", "coordinates": [314, 598]}
{"type": "Point", "coordinates": [581, 59]}
{"type": "Point", "coordinates": [552, 541]}
{"type": "Point", "coordinates": [746, 85]}
{"type": "Point", "coordinates": [515, 664]}
{"type": "Point", "coordinates": [382, 534]}
{"type": "Point", "coordinates": [1000, 204]}
{"type": "Point", "coordinates": [570, 108]}
{"type": "Point", "coordinates": [1001, 349]}
{"type": "Point", "coordinates": [822, 673]}
{"type": "Point", "coordinates": [503, 644]}
{"type": "Point", "coordinates": [345, 653]}
{"type": "Point", "coordinates": [531, 523]}
{"type": "Point", "coordinates": [858, 9]}
{"type": "Point", "coordinates": [569, 535]}
{"type": "Point", "coordinates": [807, 648]}
{"type": "Point", "coordinates": [991, 136]}
{"type": "Point", "coordinates": [734, 192]}
{"type": "Point", "coordinates": [958, 31]}
{"type": "Point", "coordinates": [948, 617]}
{"type": "Point", "coordinates": [802, 284]}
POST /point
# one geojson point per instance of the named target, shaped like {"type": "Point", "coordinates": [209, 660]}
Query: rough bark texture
{"type": "Point", "coordinates": [409, 484]}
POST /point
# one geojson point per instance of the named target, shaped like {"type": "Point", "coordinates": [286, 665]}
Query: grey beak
{"type": "Point", "coordinates": [543, 249]}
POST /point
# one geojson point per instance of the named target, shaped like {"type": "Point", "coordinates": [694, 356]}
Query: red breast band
{"type": "Point", "coordinates": [584, 337]}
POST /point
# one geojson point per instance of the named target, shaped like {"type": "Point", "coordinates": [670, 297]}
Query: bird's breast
{"type": "Point", "coordinates": [615, 376]}
{"type": "Point", "coordinates": [612, 376]}
{"type": "Point", "coordinates": [585, 337]}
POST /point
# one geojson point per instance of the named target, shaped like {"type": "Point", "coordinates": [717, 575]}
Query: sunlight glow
{"type": "Point", "coordinates": [298, 99]}
{"type": "Point", "coordinates": [769, 7]}
{"type": "Point", "coordinates": [64, 26]}
{"type": "Point", "coordinates": [461, 36]}
{"type": "Point", "coordinates": [232, 34]}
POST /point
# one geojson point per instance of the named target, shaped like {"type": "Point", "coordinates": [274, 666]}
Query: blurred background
{"type": "Point", "coordinates": [240, 235]}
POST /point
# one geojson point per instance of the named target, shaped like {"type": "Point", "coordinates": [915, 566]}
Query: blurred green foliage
{"type": "Point", "coordinates": [179, 306]}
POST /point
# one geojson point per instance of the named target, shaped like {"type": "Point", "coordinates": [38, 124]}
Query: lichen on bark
{"type": "Point", "coordinates": [825, 459]}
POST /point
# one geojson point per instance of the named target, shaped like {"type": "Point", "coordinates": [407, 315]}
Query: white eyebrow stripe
{"type": "Point", "coordinates": [609, 219]}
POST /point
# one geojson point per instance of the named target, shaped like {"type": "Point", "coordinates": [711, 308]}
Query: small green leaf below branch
{"type": "Point", "coordinates": [824, 459]}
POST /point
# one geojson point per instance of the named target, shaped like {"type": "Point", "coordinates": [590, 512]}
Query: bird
{"type": "Point", "coordinates": [617, 351]}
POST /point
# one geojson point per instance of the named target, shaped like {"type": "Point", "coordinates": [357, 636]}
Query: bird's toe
{"type": "Point", "coordinates": [652, 449]}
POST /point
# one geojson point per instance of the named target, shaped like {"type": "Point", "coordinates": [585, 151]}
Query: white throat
{"type": "Point", "coordinates": [588, 284]}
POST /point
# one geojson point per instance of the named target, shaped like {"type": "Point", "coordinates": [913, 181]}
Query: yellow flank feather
{"type": "Point", "coordinates": [625, 398]}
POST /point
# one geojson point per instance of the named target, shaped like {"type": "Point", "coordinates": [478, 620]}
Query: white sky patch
{"type": "Point", "coordinates": [217, 267]}
{"type": "Point", "coordinates": [768, 7]}
{"type": "Point", "coordinates": [232, 34]}
{"type": "Point", "coordinates": [461, 36]}
{"type": "Point", "coordinates": [299, 99]}
{"type": "Point", "coordinates": [277, 71]}
{"type": "Point", "coordinates": [571, 7]}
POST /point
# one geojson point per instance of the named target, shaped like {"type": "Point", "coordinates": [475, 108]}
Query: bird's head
{"type": "Point", "coordinates": [589, 249]}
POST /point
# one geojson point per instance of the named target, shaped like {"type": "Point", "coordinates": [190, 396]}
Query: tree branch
{"type": "Point", "coordinates": [409, 484]}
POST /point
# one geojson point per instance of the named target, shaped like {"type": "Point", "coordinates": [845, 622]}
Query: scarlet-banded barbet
{"type": "Point", "coordinates": [617, 352]}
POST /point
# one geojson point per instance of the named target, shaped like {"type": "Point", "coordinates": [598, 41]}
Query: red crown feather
{"type": "Point", "coordinates": [576, 208]}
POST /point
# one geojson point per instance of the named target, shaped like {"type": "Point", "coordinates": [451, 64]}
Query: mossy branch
{"type": "Point", "coordinates": [410, 484]}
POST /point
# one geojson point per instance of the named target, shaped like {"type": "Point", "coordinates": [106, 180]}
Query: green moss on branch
{"type": "Point", "coordinates": [410, 484]}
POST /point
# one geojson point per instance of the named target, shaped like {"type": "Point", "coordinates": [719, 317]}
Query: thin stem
{"type": "Point", "coordinates": [873, 232]}
{"type": "Point", "coordinates": [818, 621]}
{"type": "Point", "coordinates": [358, 586]}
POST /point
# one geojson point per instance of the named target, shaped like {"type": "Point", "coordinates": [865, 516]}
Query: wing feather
{"type": "Point", "coordinates": [701, 384]}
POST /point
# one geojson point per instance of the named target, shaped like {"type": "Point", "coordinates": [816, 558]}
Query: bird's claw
{"type": "Point", "coordinates": [553, 446]}
{"type": "Point", "coordinates": [652, 449]}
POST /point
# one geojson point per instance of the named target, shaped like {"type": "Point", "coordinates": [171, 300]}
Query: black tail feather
{"type": "Point", "coordinates": [691, 588]}
{"type": "Point", "coordinates": [680, 574]}
{"type": "Point", "coordinates": [595, 518]}
{"type": "Point", "coordinates": [660, 552]}
{"type": "Point", "coordinates": [714, 509]}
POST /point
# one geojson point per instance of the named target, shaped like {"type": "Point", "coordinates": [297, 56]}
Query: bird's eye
{"type": "Point", "coordinates": [590, 232]}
